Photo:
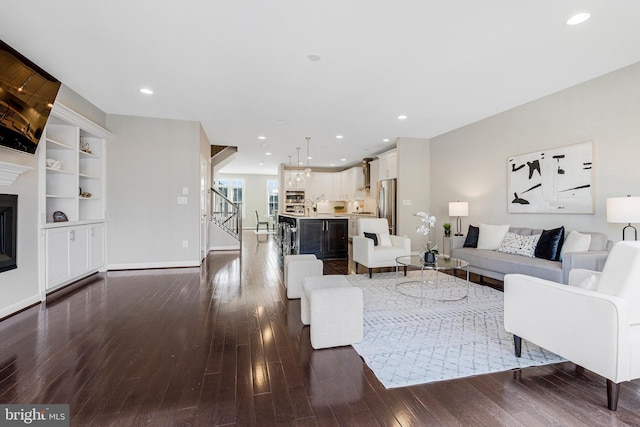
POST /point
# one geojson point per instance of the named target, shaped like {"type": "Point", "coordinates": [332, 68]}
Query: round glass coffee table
{"type": "Point", "coordinates": [441, 287]}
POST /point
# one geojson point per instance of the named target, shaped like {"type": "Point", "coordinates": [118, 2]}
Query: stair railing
{"type": "Point", "coordinates": [226, 214]}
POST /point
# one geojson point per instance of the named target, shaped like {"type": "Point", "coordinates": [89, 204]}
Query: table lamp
{"type": "Point", "coordinates": [458, 209]}
{"type": "Point", "coordinates": [624, 210]}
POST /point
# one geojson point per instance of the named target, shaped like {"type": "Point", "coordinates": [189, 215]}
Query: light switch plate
{"type": "Point", "coordinates": [406, 203]}
{"type": "Point", "coordinates": [182, 200]}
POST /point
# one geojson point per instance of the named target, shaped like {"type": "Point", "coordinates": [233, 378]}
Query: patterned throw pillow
{"type": "Point", "coordinates": [519, 245]}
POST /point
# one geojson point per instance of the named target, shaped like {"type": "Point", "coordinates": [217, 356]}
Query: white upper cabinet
{"type": "Point", "coordinates": [388, 164]}
{"type": "Point", "coordinates": [322, 186]}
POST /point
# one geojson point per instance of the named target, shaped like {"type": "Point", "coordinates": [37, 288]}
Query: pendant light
{"type": "Point", "coordinates": [307, 171]}
{"type": "Point", "coordinates": [299, 175]}
{"type": "Point", "coordinates": [290, 182]}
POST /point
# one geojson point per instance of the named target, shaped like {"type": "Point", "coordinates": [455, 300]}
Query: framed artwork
{"type": "Point", "coordinates": [559, 180]}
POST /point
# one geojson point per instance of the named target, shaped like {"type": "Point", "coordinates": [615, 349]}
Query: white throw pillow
{"type": "Point", "coordinates": [519, 245]}
{"type": "Point", "coordinates": [575, 242]}
{"type": "Point", "coordinates": [384, 239]}
{"type": "Point", "coordinates": [590, 283]}
{"type": "Point", "coordinates": [491, 236]}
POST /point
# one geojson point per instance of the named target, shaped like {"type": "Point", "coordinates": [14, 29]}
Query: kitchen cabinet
{"type": "Point", "coordinates": [337, 186]}
{"type": "Point", "coordinates": [374, 168]}
{"type": "Point", "coordinates": [388, 164]}
{"type": "Point", "coordinates": [322, 186]}
{"type": "Point", "coordinates": [323, 237]}
{"type": "Point", "coordinates": [347, 185]}
{"type": "Point", "coordinates": [352, 184]}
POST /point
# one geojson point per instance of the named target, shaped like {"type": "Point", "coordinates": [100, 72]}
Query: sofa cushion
{"type": "Point", "coordinates": [575, 242]}
{"type": "Point", "coordinates": [472, 237]}
{"type": "Point", "coordinates": [382, 253]}
{"type": "Point", "coordinates": [518, 244]}
{"type": "Point", "coordinates": [384, 239]}
{"type": "Point", "coordinates": [550, 244]}
{"type": "Point", "coordinates": [507, 263]}
{"type": "Point", "coordinates": [491, 236]}
{"type": "Point", "coordinates": [599, 241]}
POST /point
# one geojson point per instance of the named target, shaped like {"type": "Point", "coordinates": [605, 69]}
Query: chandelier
{"type": "Point", "coordinates": [290, 182]}
{"type": "Point", "coordinates": [307, 171]}
{"type": "Point", "coordinates": [299, 176]}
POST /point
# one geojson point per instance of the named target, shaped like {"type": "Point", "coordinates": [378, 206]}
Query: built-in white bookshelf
{"type": "Point", "coordinates": [72, 156]}
{"type": "Point", "coordinates": [73, 164]}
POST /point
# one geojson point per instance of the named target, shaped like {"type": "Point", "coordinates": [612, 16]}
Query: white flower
{"type": "Point", "coordinates": [424, 229]}
{"type": "Point", "coordinates": [429, 220]}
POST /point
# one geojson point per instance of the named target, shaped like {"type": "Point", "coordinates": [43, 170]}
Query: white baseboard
{"type": "Point", "coordinates": [14, 308]}
{"type": "Point", "coordinates": [150, 265]}
{"type": "Point", "coordinates": [225, 248]}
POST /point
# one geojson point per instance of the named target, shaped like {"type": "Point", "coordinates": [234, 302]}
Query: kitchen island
{"type": "Point", "coordinates": [325, 236]}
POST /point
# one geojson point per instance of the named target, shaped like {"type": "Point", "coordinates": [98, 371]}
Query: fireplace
{"type": "Point", "coordinates": [8, 231]}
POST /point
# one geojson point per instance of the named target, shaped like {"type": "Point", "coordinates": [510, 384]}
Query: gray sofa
{"type": "Point", "coordinates": [496, 264]}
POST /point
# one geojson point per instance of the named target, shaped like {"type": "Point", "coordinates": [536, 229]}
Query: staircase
{"type": "Point", "coordinates": [225, 214]}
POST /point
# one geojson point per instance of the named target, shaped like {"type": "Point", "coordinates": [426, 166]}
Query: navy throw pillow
{"type": "Point", "coordinates": [472, 237]}
{"type": "Point", "coordinates": [372, 236]}
{"type": "Point", "coordinates": [550, 244]}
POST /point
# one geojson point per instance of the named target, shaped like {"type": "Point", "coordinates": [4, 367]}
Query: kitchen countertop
{"type": "Point", "coordinates": [319, 216]}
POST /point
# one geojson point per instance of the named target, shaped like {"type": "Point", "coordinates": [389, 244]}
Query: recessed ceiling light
{"type": "Point", "coordinates": [262, 137]}
{"type": "Point", "coordinates": [332, 164]}
{"type": "Point", "coordinates": [385, 140]}
{"type": "Point", "coordinates": [309, 158]}
{"type": "Point", "coordinates": [339, 136]}
{"type": "Point", "coordinates": [402, 117]}
{"type": "Point", "coordinates": [261, 164]}
{"type": "Point", "coordinates": [343, 160]}
{"type": "Point", "coordinates": [267, 153]}
{"type": "Point", "coordinates": [146, 91]}
{"type": "Point", "coordinates": [578, 18]}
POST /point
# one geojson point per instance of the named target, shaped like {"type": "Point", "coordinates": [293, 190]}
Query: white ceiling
{"type": "Point", "coordinates": [241, 67]}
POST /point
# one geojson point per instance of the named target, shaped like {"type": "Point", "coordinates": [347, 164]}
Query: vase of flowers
{"type": "Point", "coordinates": [429, 221]}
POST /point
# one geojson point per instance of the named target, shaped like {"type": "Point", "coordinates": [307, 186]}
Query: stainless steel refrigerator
{"type": "Point", "coordinates": [387, 202]}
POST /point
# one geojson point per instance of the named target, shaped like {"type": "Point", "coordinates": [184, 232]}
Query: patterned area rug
{"type": "Point", "coordinates": [410, 340]}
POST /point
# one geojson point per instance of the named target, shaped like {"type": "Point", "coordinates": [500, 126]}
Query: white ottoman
{"type": "Point", "coordinates": [311, 283]}
{"type": "Point", "coordinates": [296, 268]}
{"type": "Point", "coordinates": [336, 315]}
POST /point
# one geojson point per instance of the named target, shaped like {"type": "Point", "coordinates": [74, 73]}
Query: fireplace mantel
{"type": "Point", "coordinates": [9, 172]}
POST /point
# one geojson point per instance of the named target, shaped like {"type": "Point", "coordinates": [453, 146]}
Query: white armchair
{"type": "Point", "coordinates": [380, 251]}
{"type": "Point", "coordinates": [594, 321]}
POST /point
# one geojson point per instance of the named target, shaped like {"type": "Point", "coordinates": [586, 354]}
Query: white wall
{"type": "Point", "coordinates": [149, 162]}
{"type": "Point", "coordinates": [469, 164]}
{"type": "Point", "coordinates": [414, 187]}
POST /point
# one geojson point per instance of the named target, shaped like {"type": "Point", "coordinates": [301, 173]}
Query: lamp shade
{"type": "Point", "coordinates": [458, 209]}
{"type": "Point", "coordinates": [622, 209]}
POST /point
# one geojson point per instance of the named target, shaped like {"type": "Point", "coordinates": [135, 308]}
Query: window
{"type": "Point", "coordinates": [233, 189]}
{"type": "Point", "coordinates": [272, 196]}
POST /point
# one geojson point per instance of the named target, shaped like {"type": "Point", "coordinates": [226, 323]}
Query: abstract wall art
{"type": "Point", "coordinates": [559, 180]}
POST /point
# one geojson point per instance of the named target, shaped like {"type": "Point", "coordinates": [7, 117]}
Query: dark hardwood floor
{"type": "Point", "coordinates": [221, 345]}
